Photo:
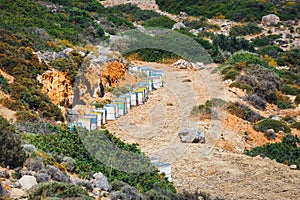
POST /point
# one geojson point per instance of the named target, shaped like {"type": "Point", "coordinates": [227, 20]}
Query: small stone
{"type": "Point", "coordinates": [293, 166]}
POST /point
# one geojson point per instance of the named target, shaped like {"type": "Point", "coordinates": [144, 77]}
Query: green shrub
{"type": "Point", "coordinates": [296, 125]}
{"type": "Point", "coordinates": [3, 83]}
{"type": "Point", "coordinates": [134, 13]}
{"type": "Point", "coordinates": [161, 22]}
{"type": "Point", "coordinates": [289, 89]}
{"type": "Point", "coordinates": [231, 74]}
{"type": "Point", "coordinates": [244, 112]}
{"type": "Point", "coordinates": [266, 124]}
{"type": "Point", "coordinates": [272, 51]}
{"type": "Point", "coordinates": [70, 144]}
{"type": "Point", "coordinates": [11, 152]}
{"type": "Point", "coordinates": [248, 29]}
{"type": "Point", "coordinates": [215, 102]}
{"type": "Point", "coordinates": [242, 86]}
{"type": "Point", "coordinates": [286, 152]}
{"type": "Point", "coordinates": [260, 42]}
{"type": "Point", "coordinates": [204, 43]}
{"type": "Point", "coordinates": [26, 116]}
{"type": "Point", "coordinates": [58, 190]}
{"type": "Point", "coordinates": [232, 44]}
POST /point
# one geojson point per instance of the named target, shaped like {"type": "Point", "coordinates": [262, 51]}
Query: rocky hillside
{"type": "Point", "coordinates": [54, 56]}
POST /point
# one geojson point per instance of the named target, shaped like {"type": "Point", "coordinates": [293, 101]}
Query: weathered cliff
{"type": "Point", "coordinates": [57, 87]}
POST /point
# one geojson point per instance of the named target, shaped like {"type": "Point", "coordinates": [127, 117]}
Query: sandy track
{"type": "Point", "coordinates": [154, 126]}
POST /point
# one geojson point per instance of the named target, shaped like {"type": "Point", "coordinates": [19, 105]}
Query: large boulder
{"type": "Point", "coordinates": [29, 148]}
{"type": "Point", "coordinates": [270, 20]}
{"type": "Point", "coordinates": [28, 182]}
{"type": "Point", "coordinates": [178, 26]}
{"type": "Point", "coordinates": [56, 174]}
{"type": "Point", "coordinates": [191, 136]}
{"type": "Point", "coordinates": [101, 182]}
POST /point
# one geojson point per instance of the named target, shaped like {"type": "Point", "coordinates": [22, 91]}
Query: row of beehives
{"type": "Point", "coordinates": [121, 105]}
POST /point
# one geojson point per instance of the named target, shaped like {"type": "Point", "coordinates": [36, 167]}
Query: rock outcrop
{"type": "Point", "coordinates": [99, 72]}
{"type": "Point", "coordinates": [270, 20]}
{"type": "Point", "coordinates": [57, 87]}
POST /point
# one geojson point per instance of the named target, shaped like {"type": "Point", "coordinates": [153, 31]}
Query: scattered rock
{"type": "Point", "coordinates": [182, 64]}
{"type": "Point", "coordinates": [4, 174]}
{"type": "Point", "coordinates": [131, 193]}
{"type": "Point", "coordinates": [116, 195]}
{"type": "Point", "coordinates": [3, 192]}
{"type": "Point", "coordinates": [293, 167]}
{"type": "Point", "coordinates": [191, 136]}
{"type": "Point", "coordinates": [101, 182]}
{"type": "Point", "coordinates": [28, 182]}
{"type": "Point", "coordinates": [270, 20]}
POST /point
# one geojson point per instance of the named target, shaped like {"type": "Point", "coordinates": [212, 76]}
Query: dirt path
{"type": "Point", "coordinates": [155, 125]}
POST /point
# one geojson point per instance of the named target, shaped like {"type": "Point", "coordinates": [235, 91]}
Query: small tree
{"type": "Point", "coordinates": [11, 152]}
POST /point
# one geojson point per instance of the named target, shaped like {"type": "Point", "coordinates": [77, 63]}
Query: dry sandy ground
{"type": "Point", "coordinates": [204, 167]}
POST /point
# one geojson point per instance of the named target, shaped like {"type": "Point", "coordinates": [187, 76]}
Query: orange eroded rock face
{"type": "Point", "coordinates": [57, 87]}
{"type": "Point", "coordinates": [113, 73]}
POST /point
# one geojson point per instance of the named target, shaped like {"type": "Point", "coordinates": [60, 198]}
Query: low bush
{"type": "Point", "coordinates": [256, 101]}
{"type": "Point", "coordinates": [267, 124]}
{"type": "Point", "coordinates": [231, 74]}
{"type": "Point", "coordinates": [244, 112]}
{"type": "Point", "coordinates": [57, 190]}
{"type": "Point", "coordinates": [205, 111]}
{"type": "Point", "coordinates": [287, 152]}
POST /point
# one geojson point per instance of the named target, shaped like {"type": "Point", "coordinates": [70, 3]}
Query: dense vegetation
{"type": "Point", "coordinates": [17, 59]}
{"type": "Point", "coordinates": [11, 152]}
{"type": "Point", "coordinates": [260, 78]}
{"type": "Point", "coordinates": [237, 10]}
{"type": "Point", "coordinates": [69, 144]}
{"type": "Point", "coordinates": [287, 152]}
